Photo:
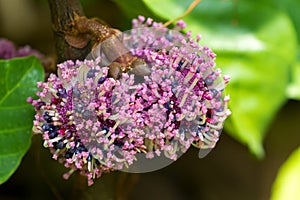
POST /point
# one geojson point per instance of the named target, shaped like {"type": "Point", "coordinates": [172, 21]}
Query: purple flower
{"type": "Point", "coordinates": [8, 50]}
{"type": "Point", "coordinates": [168, 97]}
{"type": "Point", "coordinates": [27, 50]}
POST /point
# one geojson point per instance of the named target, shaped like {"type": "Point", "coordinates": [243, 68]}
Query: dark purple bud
{"type": "Point", "coordinates": [59, 145]}
{"type": "Point", "coordinates": [62, 93]}
{"type": "Point", "coordinates": [47, 117]}
{"type": "Point", "coordinates": [101, 80]}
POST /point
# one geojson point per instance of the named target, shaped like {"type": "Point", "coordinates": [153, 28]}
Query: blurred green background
{"type": "Point", "coordinates": [257, 43]}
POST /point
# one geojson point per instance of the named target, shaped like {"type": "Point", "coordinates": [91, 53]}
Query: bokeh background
{"type": "Point", "coordinates": [231, 171]}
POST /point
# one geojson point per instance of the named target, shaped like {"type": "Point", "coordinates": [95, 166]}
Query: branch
{"type": "Point", "coordinates": [63, 13]}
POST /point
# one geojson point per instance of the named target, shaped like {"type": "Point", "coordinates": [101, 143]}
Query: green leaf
{"type": "Point", "coordinates": [287, 183]}
{"type": "Point", "coordinates": [292, 8]}
{"type": "Point", "coordinates": [293, 90]}
{"type": "Point", "coordinates": [18, 78]}
{"type": "Point", "coordinates": [133, 8]}
{"type": "Point", "coordinates": [256, 45]}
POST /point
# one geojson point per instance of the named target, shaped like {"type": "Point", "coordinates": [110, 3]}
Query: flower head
{"type": "Point", "coordinates": [8, 50]}
{"type": "Point", "coordinates": [169, 97]}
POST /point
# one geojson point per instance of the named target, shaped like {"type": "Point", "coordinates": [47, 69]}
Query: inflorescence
{"type": "Point", "coordinates": [95, 124]}
{"type": "Point", "coordinates": [8, 50]}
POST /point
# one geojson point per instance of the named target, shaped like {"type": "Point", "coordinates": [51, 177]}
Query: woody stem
{"type": "Point", "coordinates": [62, 15]}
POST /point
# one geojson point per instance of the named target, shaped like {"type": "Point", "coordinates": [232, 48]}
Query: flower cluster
{"type": "Point", "coordinates": [171, 97]}
{"type": "Point", "coordinates": [8, 50]}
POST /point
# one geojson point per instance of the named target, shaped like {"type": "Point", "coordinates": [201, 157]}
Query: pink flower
{"type": "Point", "coordinates": [173, 100]}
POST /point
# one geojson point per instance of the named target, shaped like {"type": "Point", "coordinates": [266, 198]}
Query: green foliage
{"type": "Point", "coordinates": [287, 183]}
{"type": "Point", "coordinates": [18, 78]}
{"type": "Point", "coordinates": [292, 8]}
{"type": "Point", "coordinates": [133, 8]}
{"type": "Point", "coordinates": [293, 90]}
{"type": "Point", "coordinates": [256, 45]}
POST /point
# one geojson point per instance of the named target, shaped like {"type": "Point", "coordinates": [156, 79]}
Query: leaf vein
{"type": "Point", "coordinates": [14, 129]}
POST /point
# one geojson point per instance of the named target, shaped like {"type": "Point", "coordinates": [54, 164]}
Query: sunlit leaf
{"type": "Point", "coordinates": [256, 45]}
{"type": "Point", "coordinates": [18, 79]}
{"type": "Point", "coordinates": [293, 90]}
{"type": "Point", "coordinates": [292, 8]}
{"type": "Point", "coordinates": [287, 183]}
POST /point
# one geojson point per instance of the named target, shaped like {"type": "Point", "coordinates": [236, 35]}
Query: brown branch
{"type": "Point", "coordinates": [63, 13]}
{"type": "Point", "coordinates": [76, 36]}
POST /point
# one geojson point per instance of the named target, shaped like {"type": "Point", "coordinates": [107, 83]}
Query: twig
{"type": "Point", "coordinates": [191, 7]}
